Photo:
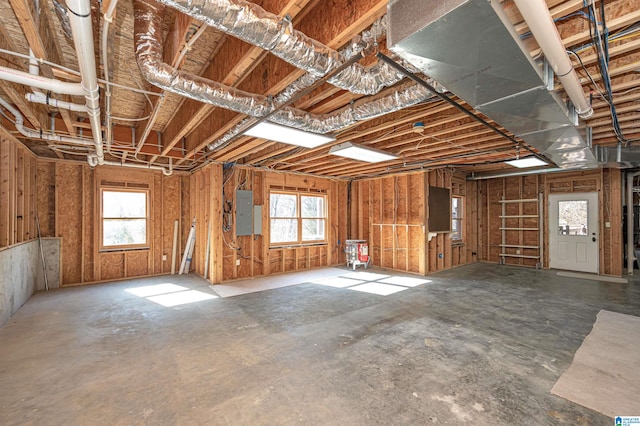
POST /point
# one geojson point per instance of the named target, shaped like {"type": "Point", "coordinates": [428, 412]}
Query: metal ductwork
{"type": "Point", "coordinates": [254, 25]}
{"type": "Point", "coordinates": [148, 42]}
{"type": "Point", "coordinates": [471, 48]}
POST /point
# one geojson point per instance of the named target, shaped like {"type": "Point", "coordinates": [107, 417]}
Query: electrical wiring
{"type": "Point", "coordinates": [593, 82]}
{"type": "Point", "coordinates": [579, 13]}
{"type": "Point", "coordinates": [601, 42]}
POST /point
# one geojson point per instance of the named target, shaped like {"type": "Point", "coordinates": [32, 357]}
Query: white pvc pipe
{"type": "Point", "coordinates": [41, 98]}
{"type": "Point", "coordinates": [80, 20]}
{"type": "Point", "coordinates": [165, 171]}
{"type": "Point", "coordinates": [55, 86]}
{"type": "Point", "coordinates": [34, 134]}
{"type": "Point", "coordinates": [108, 19]}
{"type": "Point", "coordinates": [34, 68]}
{"type": "Point", "coordinates": [540, 22]}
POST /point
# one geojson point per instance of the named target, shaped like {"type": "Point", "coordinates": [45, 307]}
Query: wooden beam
{"type": "Point", "coordinates": [370, 12]}
{"type": "Point", "coordinates": [245, 58]}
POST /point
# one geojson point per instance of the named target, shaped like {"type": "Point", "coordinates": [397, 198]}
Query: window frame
{"type": "Point", "coordinates": [299, 218]}
{"type": "Point", "coordinates": [459, 219]}
{"type": "Point", "coordinates": [101, 218]}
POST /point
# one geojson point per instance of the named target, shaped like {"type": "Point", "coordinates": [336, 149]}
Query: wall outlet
{"type": "Point", "coordinates": [518, 251]}
{"type": "Point", "coordinates": [440, 255]}
{"type": "Point", "coordinates": [164, 257]}
{"type": "Point", "coordinates": [607, 224]}
{"type": "Point", "coordinates": [237, 262]}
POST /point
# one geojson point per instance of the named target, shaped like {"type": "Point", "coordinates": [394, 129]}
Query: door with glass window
{"type": "Point", "coordinates": [573, 231]}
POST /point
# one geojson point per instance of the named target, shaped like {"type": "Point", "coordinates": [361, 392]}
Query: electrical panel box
{"type": "Point", "coordinates": [257, 220]}
{"type": "Point", "coordinates": [244, 213]}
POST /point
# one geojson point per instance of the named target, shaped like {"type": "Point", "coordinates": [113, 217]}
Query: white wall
{"type": "Point", "coordinates": [21, 273]}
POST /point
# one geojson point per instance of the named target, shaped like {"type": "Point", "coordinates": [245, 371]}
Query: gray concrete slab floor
{"type": "Point", "coordinates": [480, 344]}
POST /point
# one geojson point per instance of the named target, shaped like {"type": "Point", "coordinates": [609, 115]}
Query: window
{"type": "Point", "coordinates": [297, 218]}
{"type": "Point", "coordinates": [124, 219]}
{"type": "Point", "coordinates": [457, 233]}
{"type": "Point", "coordinates": [573, 217]}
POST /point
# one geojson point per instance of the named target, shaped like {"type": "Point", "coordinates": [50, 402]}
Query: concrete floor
{"type": "Point", "coordinates": [481, 344]}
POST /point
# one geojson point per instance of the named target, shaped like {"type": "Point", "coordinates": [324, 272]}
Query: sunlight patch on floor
{"type": "Point", "coordinates": [339, 282]}
{"type": "Point", "coordinates": [169, 295]}
{"type": "Point", "coordinates": [370, 282]}
{"type": "Point", "coordinates": [404, 281]}
{"type": "Point", "coordinates": [378, 288]}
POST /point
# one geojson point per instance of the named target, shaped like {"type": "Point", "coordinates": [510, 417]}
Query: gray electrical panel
{"type": "Point", "coordinates": [244, 213]}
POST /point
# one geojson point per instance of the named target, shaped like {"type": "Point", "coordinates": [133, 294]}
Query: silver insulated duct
{"type": "Point", "coordinates": [149, 54]}
{"type": "Point", "coordinates": [254, 25]}
{"type": "Point", "coordinates": [471, 48]}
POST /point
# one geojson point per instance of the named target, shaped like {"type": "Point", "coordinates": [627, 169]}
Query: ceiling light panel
{"type": "Point", "coordinates": [288, 135]}
{"type": "Point", "coordinates": [360, 153]}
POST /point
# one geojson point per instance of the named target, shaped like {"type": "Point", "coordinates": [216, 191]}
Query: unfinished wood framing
{"type": "Point", "coordinates": [606, 182]}
{"type": "Point", "coordinates": [392, 216]}
{"type": "Point", "coordinates": [18, 192]}
{"type": "Point", "coordinates": [238, 257]}
{"type": "Point", "coordinates": [77, 212]}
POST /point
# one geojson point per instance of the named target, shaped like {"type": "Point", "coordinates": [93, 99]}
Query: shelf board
{"type": "Point", "coordinates": [523, 256]}
{"type": "Point", "coordinates": [524, 200]}
{"type": "Point", "coordinates": [519, 229]}
{"type": "Point", "coordinates": [518, 246]}
{"type": "Point", "coordinates": [515, 216]}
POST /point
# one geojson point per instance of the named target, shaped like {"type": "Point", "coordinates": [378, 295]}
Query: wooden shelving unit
{"type": "Point", "coordinates": [504, 229]}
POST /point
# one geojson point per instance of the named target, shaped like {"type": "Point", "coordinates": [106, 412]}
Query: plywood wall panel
{"type": "Point", "coordinates": [89, 224]}
{"type": "Point", "coordinates": [68, 202]}
{"type": "Point", "coordinates": [112, 266]}
{"type": "Point", "coordinates": [170, 213]}
{"type": "Point", "coordinates": [69, 207]}
{"type": "Point", "coordinates": [137, 263]}
{"type": "Point", "coordinates": [46, 199]}
{"type": "Point", "coordinates": [154, 260]}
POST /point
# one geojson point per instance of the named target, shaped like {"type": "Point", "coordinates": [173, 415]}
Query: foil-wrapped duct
{"type": "Point", "coordinates": [148, 42]}
{"type": "Point", "coordinates": [61, 12]}
{"type": "Point", "coordinates": [363, 109]}
{"type": "Point", "coordinates": [148, 45]}
{"type": "Point", "coordinates": [249, 22]}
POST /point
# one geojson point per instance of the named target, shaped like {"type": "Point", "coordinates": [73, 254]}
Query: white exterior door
{"type": "Point", "coordinates": [573, 231]}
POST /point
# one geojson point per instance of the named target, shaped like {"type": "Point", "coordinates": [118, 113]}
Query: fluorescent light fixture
{"type": "Point", "coordinates": [527, 162]}
{"type": "Point", "coordinates": [288, 135]}
{"type": "Point", "coordinates": [361, 153]}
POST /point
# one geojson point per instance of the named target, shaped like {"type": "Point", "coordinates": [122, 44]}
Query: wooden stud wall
{"type": "Point", "coordinates": [391, 214]}
{"type": "Point", "coordinates": [608, 184]}
{"type": "Point", "coordinates": [240, 257]}
{"type": "Point", "coordinates": [18, 193]}
{"type": "Point", "coordinates": [69, 208]}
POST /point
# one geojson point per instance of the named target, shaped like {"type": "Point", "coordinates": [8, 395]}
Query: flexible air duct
{"type": "Point", "coordinates": [252, 24]}
{"type": "Point", "coordinates": [148, 41]}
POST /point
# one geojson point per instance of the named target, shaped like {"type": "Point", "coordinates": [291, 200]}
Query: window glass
{"type": "Point", "coordinates": [124, 218]}
{"type": "Point", "coordinates": [456, 218]}
{"type": "Point", "coordinates": [297, 218]}
{"type": "Point", "coordinates": [283, 205]}
{"type": "Point", "coordinates": [573, 217]}
{"type": "Point", "coordinates": [312, 206]}
{"type": "Point", "coordinates": [284, 230]}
